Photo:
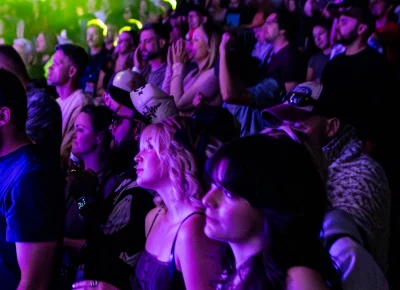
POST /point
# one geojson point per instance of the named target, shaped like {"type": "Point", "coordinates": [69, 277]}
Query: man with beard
{"type": "Point", "coordinates": [150, 56]}
{"type": "Point", "coordinates": [363, 82]}
{"type": "Point", "coordinates": [116, 232]}
{"type": "Point", "coordinates": [360, 77]}
{"type": "Point", "coordinates": [355, 182]}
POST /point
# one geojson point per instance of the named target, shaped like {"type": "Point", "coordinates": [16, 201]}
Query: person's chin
{"type": "Point", "coordinates": [211, 232]}
{"type": "Point", "coordinates": [208, 231]}
{"type": "Point", "coordinates": [76, 153]}
{"type": "Point", "coordinates": [50, 82]}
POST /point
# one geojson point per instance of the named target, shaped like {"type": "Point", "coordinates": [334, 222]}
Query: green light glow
{"type": "Point", "coordinates": [100, 23]}
{"type": "Point", "coordinates": [136, 22]}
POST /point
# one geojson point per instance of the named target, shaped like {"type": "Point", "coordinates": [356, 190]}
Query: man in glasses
{"type": "Point", "coordinates": [127, 122]}
{"type": "Point", "coordinates": [355, 182]}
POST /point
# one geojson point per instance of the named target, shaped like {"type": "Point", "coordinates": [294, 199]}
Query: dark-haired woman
{"type": "Point", "coordinates": [89, 174]}
{"type": "Point", "coordinates": [267, 202]}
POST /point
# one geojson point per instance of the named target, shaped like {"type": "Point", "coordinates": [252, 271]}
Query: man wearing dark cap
{"type": "Point", "coordinates": [364, 84]}
{"type": "Point", "coordinates": [359, 78]}
{"type": "Point", "coordinates": [69, 64]}
{"type": "Point", "coordinates": [355, 182]}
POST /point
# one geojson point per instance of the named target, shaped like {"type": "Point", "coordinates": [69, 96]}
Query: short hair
{"type": "Point", "coordinates": [77, 56]}
{"type": "Point", "coordinates": [198, 9]}
{"type": "Point", "coordinates": [12, 61]}
{"type": "Point", "coordinates": [159, 29]}
{"type": "Point", "coordinates": [326, 24]}
{"type": "Point", "coordinates": [134, 36]}
{"type": "Point", "coordinates": [100, 26]}
{"type": "Point", "coordinates": [286, 22]}
{"type": "Point", "coordinates": [13, 96]}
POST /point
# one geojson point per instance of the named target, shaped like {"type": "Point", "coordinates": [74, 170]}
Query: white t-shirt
{"type": "Point", "coordinates": [70, 108]}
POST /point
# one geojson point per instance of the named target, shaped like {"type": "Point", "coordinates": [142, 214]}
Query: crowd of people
{"type": "Point", "coordinates": [241, 145]}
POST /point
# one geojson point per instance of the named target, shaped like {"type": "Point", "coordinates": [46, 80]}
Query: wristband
{"type": "Point", "coordinates": [83, 201]}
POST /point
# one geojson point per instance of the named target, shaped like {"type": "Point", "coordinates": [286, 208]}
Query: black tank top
{"type": "Point", "coordinates": [153, 274]}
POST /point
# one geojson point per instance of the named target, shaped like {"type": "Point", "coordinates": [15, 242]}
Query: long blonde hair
{"type": "Point", "coordinates": [177, 143]}
{"type": "Point", "coordinates": [214, 40]}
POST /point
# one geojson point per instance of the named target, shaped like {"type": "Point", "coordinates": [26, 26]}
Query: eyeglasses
{"type": "Point", "coordinates": [299, 100]}
{"type": "Point", "coordinates": [117, 120]}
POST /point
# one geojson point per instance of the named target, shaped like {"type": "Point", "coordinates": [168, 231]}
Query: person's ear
{"type": "Point", "coordinates": [332, 127]}
{"type": "Point", "coordinates": [5, 116]}
{"type": "Point", "coordinates": [100, 138]}
{"type": "Point", "coordinates": [162, 42]}
{"type": "Point", "coordinates": [361, 29]}
{"type": "Point", "coordinates": [72, 71]}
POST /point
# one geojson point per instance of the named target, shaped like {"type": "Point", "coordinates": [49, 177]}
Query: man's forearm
{"type": "Point", "coordinates": [231, 93]}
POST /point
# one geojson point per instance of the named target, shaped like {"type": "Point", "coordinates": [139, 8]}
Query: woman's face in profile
{"type": "Point", "coordinates": [198, 45]}
{"type": "Point", "coordinates": [149, 171]}
{"type": "Point", "coordinates": [230, 218]}
{"type": "Point", "coordinates": [85, 140]}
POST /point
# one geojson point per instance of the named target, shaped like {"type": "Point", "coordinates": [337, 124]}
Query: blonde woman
{"type": "Point", "coordinates": [177, 255]}
{"type": "Point", "coordinates": [201, 49]}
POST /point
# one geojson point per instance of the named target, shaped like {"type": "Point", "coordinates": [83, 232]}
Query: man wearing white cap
{"type": "Point", "coordinates": [109, 254]}
{"type": "Point", "coordinates": [153, 103]}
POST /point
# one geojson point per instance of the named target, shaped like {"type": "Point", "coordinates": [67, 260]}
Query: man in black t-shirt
{"type": "Point", "coordinates": [30, 198]}
{"type": "Point", "coordinates": [360, 78]}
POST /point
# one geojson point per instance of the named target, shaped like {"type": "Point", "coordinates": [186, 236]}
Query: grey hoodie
{"type": "Point", "coordinates": [355, 265]}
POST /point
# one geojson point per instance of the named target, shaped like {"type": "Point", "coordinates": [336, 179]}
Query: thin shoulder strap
{"type": "Point", "coordinates": [152, 223]}
{"type": "Point", "coordinates": [172, 257]}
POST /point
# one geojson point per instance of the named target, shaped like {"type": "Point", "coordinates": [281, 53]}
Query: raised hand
{"type": "Point", "coordinates": [226, 37]}
{"type": "Point", "coordinates": [179, 54]}
{"type": "Point", "coordinates": [137, 58]}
